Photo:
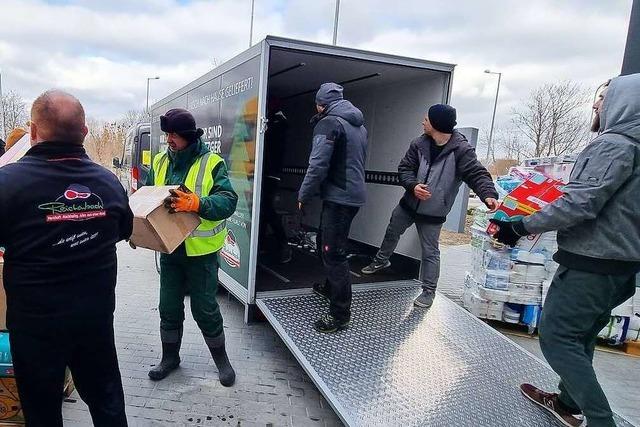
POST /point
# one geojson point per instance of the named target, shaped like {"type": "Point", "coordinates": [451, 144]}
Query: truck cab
{"type": "Point", "coordinates": [134, 164]}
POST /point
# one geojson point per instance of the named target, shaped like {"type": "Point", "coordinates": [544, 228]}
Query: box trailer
{"type": "Point", "coordinates": [395, 365]}
{"type": "Point", "coordinates": [230, 103]}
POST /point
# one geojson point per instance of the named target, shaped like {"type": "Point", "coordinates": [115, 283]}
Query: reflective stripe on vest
{"type": "Point", "coordinates": [209, 237]}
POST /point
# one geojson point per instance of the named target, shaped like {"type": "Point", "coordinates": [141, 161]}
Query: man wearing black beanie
{"type": "Point", "coordinates": [431, 172]}
{"type": "Point", "coordinates": [204, 189]}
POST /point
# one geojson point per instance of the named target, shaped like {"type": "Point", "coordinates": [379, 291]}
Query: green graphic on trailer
{"type": "Point", "coordinates": [226, 108]}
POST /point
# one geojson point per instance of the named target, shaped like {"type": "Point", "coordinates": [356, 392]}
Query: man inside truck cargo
{"type": "Point", "coordinates": [598, 223]}
{"type": "Point", "coordinates": [61, 216]}
{"type": "Point", "coordinates": [431, 173]}
{"type": "Point", "coordinates": [336, 171]}
{"type": "Point", "coordinates": [205, 189]}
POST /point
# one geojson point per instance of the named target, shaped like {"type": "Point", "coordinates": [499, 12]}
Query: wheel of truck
{"type": "Point", "coordinates": [157, 259]}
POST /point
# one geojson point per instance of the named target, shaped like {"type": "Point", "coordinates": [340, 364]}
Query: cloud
{"type": "Point", "coordinates": [104, 51]}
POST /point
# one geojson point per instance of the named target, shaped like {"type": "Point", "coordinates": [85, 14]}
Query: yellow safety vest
{"type": "Point", "coordinates": [210, 235]}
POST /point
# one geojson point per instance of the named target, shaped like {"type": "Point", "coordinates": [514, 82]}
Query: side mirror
{"type": "Point", "coordinates": [116, 162]}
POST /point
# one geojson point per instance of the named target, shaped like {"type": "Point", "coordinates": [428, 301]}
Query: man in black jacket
{"type": "Point", "coordinates": [431, 172]}
{"type": "Point", "coordinates": [336, 170]}
{"type": "Point", "coordinates": [59, 227]}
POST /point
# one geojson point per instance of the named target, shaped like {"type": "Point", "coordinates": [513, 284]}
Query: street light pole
{"type": "Point", "coordinates": [253, 4]}
{"type": "Point", "coordinates": [335, 23]}
{"type": "Point", "coordinates": [493, 118]}
{"type": "Point", "coordinates": [148, 80]}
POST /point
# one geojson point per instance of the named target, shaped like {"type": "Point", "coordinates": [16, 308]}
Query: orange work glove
{"type": "Point", "coordinates": [182, 200]}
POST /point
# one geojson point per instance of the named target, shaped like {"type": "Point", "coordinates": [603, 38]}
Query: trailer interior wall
{"type": "Point", "coordinates": [393, 99]}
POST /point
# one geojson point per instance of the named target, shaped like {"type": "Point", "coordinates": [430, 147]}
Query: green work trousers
{"type": "Point", "coordinates": [577, 308]}
{"type": "Point", "coordinates": [198, 275]}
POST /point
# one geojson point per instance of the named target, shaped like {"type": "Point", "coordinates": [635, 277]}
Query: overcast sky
{"type": "Point", "coordinates": [103, 51]}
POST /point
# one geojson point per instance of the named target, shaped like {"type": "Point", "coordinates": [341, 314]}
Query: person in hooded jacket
{"type": "Point", "coordinates": [597, 220]}
{"type": "Point", "coordinates": [336, 171]}
{"type": "Point", "coordinates": [205, 189]}
{"type": "Point", "coordinates": [431, 173]}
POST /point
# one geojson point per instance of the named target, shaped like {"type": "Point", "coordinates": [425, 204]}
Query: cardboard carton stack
{"type": "Point", "coordinates": [505, 283]}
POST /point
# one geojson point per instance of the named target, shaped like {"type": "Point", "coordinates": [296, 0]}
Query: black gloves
{"type": "Point", "coordinates": [509, 232]}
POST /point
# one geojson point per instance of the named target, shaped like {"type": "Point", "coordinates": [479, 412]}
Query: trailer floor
{"type": "Point", "coordinates": [399, 365]}
{"type": "Point", "coordinates": [305, 269]}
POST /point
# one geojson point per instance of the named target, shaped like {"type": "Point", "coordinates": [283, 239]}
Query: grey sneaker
{"type": "Point", "coordinates": [376, 266]}
{"type": "Point", "coordinates": [425, 299]}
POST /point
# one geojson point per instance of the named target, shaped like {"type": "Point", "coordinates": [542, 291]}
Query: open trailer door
{"type": "Point", "coordinates": [396, 364]}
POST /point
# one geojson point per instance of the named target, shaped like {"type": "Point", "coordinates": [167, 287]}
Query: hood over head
{"type": "Point", "coordinates": [620, 111]}
{"type": "Point", "coordinates": [347, 111]}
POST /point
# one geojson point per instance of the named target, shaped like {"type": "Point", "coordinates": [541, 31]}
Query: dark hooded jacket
{"type": "Point", "coordinates": [337, 161]}
{"type": "Point", "coordinates": [456, 163]}
{"type": "Point", "coordinates": [598, 217]}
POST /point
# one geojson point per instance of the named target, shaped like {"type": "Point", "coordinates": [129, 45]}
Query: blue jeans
{"type": "Point", "coordinates": [335, 223]}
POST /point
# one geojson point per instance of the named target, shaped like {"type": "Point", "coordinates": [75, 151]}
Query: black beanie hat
{"type": "Point", "coordinates": [442, 117]}
{"type": "Point", "coordinates": [180, 121]}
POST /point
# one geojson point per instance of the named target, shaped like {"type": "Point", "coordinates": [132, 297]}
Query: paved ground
{"type": "Point", "coordinates": [272, 390]}
{"type": "Point", "coordinates": [619, 374]}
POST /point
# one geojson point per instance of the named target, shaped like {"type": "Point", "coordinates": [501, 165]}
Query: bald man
{"type": "Point", "coordinates": [59, 227]}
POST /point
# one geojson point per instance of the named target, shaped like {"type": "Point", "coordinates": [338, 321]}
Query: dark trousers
{"type": "Point", "coordinates": [269, 213]}
{"type": "Point", "coordinates": [200, 275]}
{"type": "Point", "coordinates": [40, 357]}
{"type": "Point", "coordinates": [335, 223]}
{"type": "Point", "coordinates": [576, 309]}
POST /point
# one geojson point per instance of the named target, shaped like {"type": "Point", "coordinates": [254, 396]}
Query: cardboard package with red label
{"type": "Point", "coordinates": [533, 194]}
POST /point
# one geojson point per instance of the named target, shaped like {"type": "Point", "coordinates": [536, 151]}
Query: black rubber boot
{"type": "Point", "coordinates": [171, 341]}
{"type": "Point", "coordinates": [226, 374]}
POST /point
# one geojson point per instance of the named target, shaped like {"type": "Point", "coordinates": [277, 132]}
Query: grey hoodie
{"type": "Point", "coordinates": [337, 161]}
{"type": "Point", "coordinates": [598, 218]}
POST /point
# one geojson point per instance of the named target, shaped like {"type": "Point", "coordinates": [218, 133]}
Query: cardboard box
{"type": "Point", "coordinates": [532, 195]}
{"type": "Point", "coordinates": [10, 406]}
{"type": "Point", "coordinates": [153, 226]}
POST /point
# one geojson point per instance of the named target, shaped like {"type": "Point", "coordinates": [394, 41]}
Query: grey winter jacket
{"type": "Point", "coordinates": [337, 160]}
{"type": "Point", "coordinates": [599, 214]}
{"type": "Point", "coordinates": [456, 163]}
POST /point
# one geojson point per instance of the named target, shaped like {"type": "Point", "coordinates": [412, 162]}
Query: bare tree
{"type": "Point", "coordinates": [132, 117]}
{"type": "Point", "coordinates": [14, 112]}
{"type": "Point", "coordinates": [483, 142]}
{"type": "Point", "coordinates": [101, 141]}
{"type": "Point", "coordinates": [555, 119]}
{"type": "Point", "coordinates": [106, 140]}
{"type": "Point", "coordinates": [512, 145]}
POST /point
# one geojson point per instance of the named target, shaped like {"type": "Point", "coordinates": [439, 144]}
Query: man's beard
{"type": "Point", "coordinates": [595, 124]}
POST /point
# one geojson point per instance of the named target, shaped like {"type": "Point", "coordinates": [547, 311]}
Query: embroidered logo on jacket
{"type": "Point", "coordinates": [77, 203]}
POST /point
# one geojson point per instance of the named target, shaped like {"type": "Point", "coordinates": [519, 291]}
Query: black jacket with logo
{"type": "Point", "coordinates": [60, 217]}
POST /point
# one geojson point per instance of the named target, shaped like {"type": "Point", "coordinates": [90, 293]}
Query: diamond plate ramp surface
{"type": "Point", "coordinates": [397, 365]}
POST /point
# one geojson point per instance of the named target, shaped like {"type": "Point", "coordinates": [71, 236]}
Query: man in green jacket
{"type": "Point", "coordinates": [206, 190]}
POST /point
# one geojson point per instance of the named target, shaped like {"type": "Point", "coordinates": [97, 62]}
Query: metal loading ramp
{"type": "Point", "coordinates": [397, 365]}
